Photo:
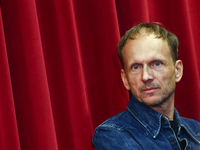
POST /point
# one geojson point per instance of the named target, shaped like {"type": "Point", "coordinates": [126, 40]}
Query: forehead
{"type": "Point", "coordinates": [144, 47]}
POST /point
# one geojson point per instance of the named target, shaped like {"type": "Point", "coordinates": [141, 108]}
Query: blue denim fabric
{"type": "Point", "coordinates": [141, 128]}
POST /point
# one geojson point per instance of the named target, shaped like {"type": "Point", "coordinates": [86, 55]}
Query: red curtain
{"type": "Point", "coordinates": [60, 74]}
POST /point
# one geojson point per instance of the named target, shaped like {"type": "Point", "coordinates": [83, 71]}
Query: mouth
{"type": "Point", "coordinates": [150, 90]}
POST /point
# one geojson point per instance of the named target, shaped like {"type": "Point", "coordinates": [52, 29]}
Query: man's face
{"type": "Point", "coordinates": [149, 71]}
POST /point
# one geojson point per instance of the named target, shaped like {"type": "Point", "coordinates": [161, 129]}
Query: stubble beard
{"type": "Point", "coordinates": [156, 102]}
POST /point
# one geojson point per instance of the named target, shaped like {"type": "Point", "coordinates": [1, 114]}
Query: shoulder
{"type": "Point", "coordinates": [112, 133]}
{"type": "Point", "coordinates": [191, 122]}
{"type": "Point", "coordinates": [118, 122]}
{"type": "Point", "coordinates": [191, 125]}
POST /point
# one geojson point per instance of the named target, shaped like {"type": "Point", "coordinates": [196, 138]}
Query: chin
{"type": "Point", "coordinates": [152, 102]}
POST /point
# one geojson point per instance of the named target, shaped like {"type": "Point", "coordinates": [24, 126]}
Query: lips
{"type": "Point", "coordinates": [150, 89]}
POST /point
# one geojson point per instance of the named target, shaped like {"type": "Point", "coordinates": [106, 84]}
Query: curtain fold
{"type": "Point", "coordinates": [8, 122]}
{"type": "Point", "coordinates": [60, 73]}
{"type": "Point", "coordinates": [66, 77]}
{"type": "Point", "coordinates": [28, 75]}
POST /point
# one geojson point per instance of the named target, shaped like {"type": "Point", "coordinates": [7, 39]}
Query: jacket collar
{"type": "Point", "coordinates": [152, 120]}
{"type": "Point", "coordinates": [148, 117]}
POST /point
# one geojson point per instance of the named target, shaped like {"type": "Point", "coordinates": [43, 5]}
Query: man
{"type": "Point", "coordinates": [148, 54]}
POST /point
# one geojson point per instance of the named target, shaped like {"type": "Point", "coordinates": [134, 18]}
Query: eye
{"type": "Point", "coordinates": [157, 63]}
{"type": "Point", "coordinates": [135, 67]}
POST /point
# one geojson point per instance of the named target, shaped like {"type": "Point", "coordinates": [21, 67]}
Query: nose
{"type": "Point", "coordinates": [147, 74]}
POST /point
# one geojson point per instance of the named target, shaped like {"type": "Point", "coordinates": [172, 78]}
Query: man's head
{"type": "Point", "coordinates": [150, 28]}
{"type": "Point", "coordinates": [150, 66]}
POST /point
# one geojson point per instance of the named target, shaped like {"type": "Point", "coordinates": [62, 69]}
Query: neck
{"type": "Point", "coordinates": [166, 108]}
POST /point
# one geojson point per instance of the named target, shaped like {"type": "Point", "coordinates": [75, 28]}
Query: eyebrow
{"type": "Point", "coordinates": [148, 62]}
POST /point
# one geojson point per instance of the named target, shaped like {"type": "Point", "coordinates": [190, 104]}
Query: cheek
{"type": "Point", "coordinates": [166, 77]}
{"type": "Point", "coordinates": [135, 82]}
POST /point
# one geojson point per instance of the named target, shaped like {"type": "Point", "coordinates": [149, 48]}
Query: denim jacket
{"type": "Point", "coordinates": [141, 128]}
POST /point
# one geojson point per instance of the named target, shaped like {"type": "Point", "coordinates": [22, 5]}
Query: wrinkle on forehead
{"type": "Point", "coordinates": [146, 48]}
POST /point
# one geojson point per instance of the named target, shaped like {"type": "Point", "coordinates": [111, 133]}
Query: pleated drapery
{"type": "Point", "coordinates": [60, 73]}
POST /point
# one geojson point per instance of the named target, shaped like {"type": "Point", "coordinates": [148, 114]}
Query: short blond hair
{"type": "Point", "coordinates": [150, 28]}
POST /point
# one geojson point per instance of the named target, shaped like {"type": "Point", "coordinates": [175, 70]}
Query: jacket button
{"type": "Point", "coordinates": [163, 120]}
{"type": "Point", "coordinates": [171, 139]}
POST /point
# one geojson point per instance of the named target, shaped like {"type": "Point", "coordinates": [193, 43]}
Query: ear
{"type": "Point", "coordinates": [178, 70]}
{"type": "Point", "coordinates": [124, 79]}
